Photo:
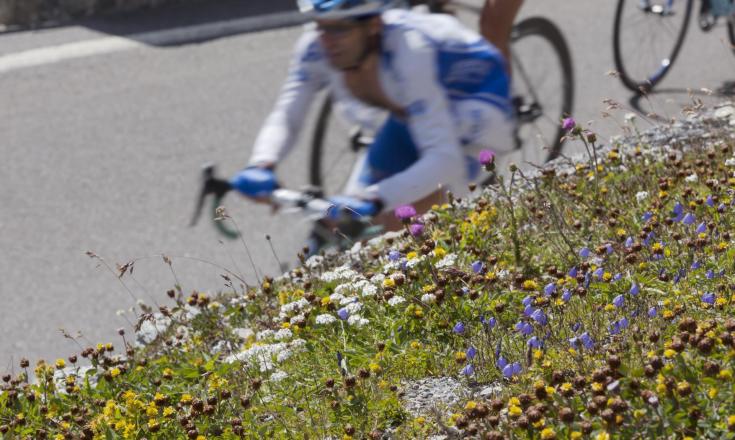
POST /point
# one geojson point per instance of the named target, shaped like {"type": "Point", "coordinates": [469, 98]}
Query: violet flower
{"type": "Point", "coordinates": [405, 212]}
{"type": "Point", "coordinates": [568, 124]}
{"type": "Point", "coordinates": [459, 328]}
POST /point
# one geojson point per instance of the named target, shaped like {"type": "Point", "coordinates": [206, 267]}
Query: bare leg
{"type": "Point", "coordinates": [496, 23]}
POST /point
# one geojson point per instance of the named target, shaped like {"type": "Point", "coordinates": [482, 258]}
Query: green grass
{"type": "Point", "coordinates": [663, 376]}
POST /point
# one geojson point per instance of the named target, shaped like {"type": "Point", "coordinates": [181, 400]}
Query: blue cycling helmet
{"type": "Point", "coordinates": [338, 9]}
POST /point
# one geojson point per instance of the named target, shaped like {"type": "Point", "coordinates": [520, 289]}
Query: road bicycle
{"type": "Point", "coordinates": [648, 36]}
{"type": "Point", "coordinates": [542, 93]}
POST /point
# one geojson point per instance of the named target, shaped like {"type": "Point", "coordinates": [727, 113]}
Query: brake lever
{"type": "Point", "coordinates": [211, 185]}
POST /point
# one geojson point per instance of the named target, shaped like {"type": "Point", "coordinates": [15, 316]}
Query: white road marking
{"type": "Point", "coordinates": [63, 52]}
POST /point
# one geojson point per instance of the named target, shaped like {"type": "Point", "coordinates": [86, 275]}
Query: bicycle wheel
{"type": "Point", "coordinates": [334, 150]}
{"type": "Point", "coordinates": [543, 83]}
{"type": "Point", "coordinates": [647, 38]}
{"type": "Point", "coordinates": [731, 32]}
{"type": "Point", "coordinates": [543, 88]}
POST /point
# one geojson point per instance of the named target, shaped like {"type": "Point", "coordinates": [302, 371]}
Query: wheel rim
{"type": "Point", "coordinates": [539, 97]}
{"type": "Point", "coordinates": [648, 37]}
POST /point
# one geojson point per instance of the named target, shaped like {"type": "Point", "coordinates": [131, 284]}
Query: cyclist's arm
{"type": "Point", "coordinates": [280, 130]}
{"type": "Point", "coordinates": [432, 128]}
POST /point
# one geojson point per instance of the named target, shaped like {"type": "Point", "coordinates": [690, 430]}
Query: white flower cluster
{"type": "Point", "coordinates": [278, 376]}
{"type": "Point", "coordinates": [340, 273]}
{"type": "Point", "coordinates": [428, 298]}
{"type": "Point", "coordinates": [692, 178]}
{"type": "Point", "coordinates": [283, 334]}
{"type": "Point", "coordinates": [641, 196]}
{"type": "Point", "coordinates": [325, 319]}
{"type": "Point", "coordinates": [264, 334]}
{"type": "Point", "coordinates": [353, 307]}
{"type": "Point", "coordinates": [415, 261]}
{"type": "Point", "coordinates": [357, 321]}
{"type": "Point", "coordinates": [266, 356]}
{"type": "Point", "coordinates": [394, 301]}
{"type": "Point", "coordinates": [730, 162]}
{"type": "Point", "coordinates": [447, 261]}
{"type": "Point", "coordinates": [300, 304]}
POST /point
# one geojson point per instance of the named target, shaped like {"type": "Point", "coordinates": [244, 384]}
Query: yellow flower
{"type": "Point", "coordinates": [168, 373]}
{"type": "Point", "coordinates": [285, 325]}
{"type": "Point", "coordinates": [603, 436]}
{"type": "Point", "coordinates": [609, 308]}
{"type": "Point", "coordinates": [429, 288]}
{"type": "Point", "coordinates": [514, 402]}
{"type": "Point", "coordinates": [151, 411]}
{"type": "Point", "coordinates": [548, 434]}
{"type": "Point", "coordinates": [669, 353]}
{"type": "Point", "coordinates": [439, 252]}
{"type": "Point", "coordinates": [411, 255]}
{"type": "Point", "coordinates": [152, 423]}
{"type": "Point", "coordinates": [712, 393]}
{"type": "Point", "coordinates": [597, 386]}
{"type": "Point", "coordinates": [389, 282]}
{"type": "Point", "coordinates": [470, 405]}
{"type": "Point", "coordinates": [720, 301]}
{"type": "Point", "coordinates": [415, 345]}
{"type": "Point", "coordinates": [607, 276]}
{"type": "Point", "coordinates": [639, 413]}
{"type": "Point", "coordinates": [460, 356]}
{"type": "Point", "coordinates": [375, 368]}
{"type": "Point", "coordinates": [540, 424]}
{"type": "Point", "coordinates": [418, 313]}
{"type": "Point", "coordinates": [325, 301]}
{"type": "Point", "coordinates": [186, 398]}
{"type": "Point", "coordinates": [514, 411]}
{"type": "Point", "coordinates": [168, 411]}
{"type": "Point", "coordinates": [419, 420]}
{"type": "Point", "coordinates": [115, 372]}
{"type": "Point", "coordinates": [530, 285]}
{"type": "Point", "coordinates": [726, 374]}
{"type": "Point", "coordinates": [575, 435]}
{"type": "Point", "coordinates": [60, 363]}
{"type": "Point", "coordinates": [621, 232]}
{"type": "Point", "coordinates": [731, 420]}
{"type": "Point", "coordinates": [201, 437]}
{"type": "Point", "coordinates": [538, 354]}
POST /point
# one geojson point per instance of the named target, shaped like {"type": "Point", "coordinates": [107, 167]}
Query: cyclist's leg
{"type": "Point", "coordinates": [392, 151]}
{"type": "Point", "coordinates": [496, 23]}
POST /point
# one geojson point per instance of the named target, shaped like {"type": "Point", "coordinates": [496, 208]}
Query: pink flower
{"type": "Point", "coordinates": [486, 157]}
{"type": "Point", "coordinates": [405, 212]}
{"type": "Point", "coordinates": [416, 229]}
{"type": "Point", "coordinates": [568, 124]}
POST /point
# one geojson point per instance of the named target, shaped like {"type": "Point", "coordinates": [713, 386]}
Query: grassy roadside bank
{"type": "Point", "coordinates": [593, 300]}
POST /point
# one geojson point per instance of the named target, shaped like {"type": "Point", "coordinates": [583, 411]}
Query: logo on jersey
{"type": "Point", "coordinates": [468, 71]}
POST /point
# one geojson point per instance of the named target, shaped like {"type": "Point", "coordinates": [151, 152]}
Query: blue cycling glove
{"type": "Point", "coordinates": [353, 206]}
{"type": "Point", "coordinates": [255, 182]}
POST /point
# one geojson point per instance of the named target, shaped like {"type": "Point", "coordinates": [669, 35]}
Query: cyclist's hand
{"type": "Point", "coordinates": [352, 206]}
{"type": "Point", "coordinates": [256, 183]}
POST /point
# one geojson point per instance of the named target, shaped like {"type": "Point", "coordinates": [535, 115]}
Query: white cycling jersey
{"type": "Point", "coordinates": [450, 82]}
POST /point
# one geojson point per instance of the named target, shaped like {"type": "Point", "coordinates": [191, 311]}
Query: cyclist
{"type": "Point", "coordinates": [444, 89]}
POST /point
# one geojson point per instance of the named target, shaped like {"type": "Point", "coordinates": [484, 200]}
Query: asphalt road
{"type": "Point", "coordinates": [102, 152]}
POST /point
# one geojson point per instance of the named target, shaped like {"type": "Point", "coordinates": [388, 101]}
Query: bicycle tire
{"type": "Point", "coordinates": [641, 85]}
{"type": "Point", "coordinates": [731, 32]}
{"type": "Point", "coordinates": [543, 28]}
{"type": "Point", "coordinates": [317, 142]}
